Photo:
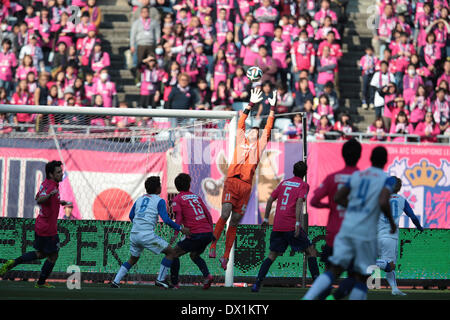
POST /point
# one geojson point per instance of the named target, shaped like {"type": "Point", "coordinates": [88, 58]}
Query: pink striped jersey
{"type": "Point", "coordinates": [191, 211]}
{"type": "Point", "coordinates": [287, 193]}
{"type": "Point", "coordinates": [46, 221]}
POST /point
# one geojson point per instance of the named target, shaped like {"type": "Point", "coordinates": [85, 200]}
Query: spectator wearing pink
{"type": "Point", "coordinates": [378, 130]}
{"type": "Point", "coordinates": [280, 53]}
{"type": "Point", "coordinates": [419, 106]}
{"type": "Point", "coordinates": [266, 16]}
{"type": "Point", "coordinates": [424, 20]}
{"type": "Point", "coordinates": [243, 8]}
{"type": "Point", "coordinates": [294, 129]}
{"type": "Point", "coordinates": [8, 61]}
{"type": "Point", "coordinates": [344, 126]}
{"type": "Point", "coordinates": [32, 49]}
{"type": "Point", "coordinates": [335, 48]}
{"type": "Point", "coordinates": [323, 127]}
{"type": "Point", "coordinates": [220, 70]}
{"type": "Point", "coordinates": [207, 33]}
{"type": "Point", "coordinates": [25, 67]}
{"type": "Point", "coordinates": [204, 8]}
{"type": "Point", "coordinates": [82, 28]}
{"type": "Point", "coordinates": [396, 106]}
{"type": "Point", "coordinates": [441, 33]}
{"type": "Point", "coordinates": [89, 87]}
{"type": "Point", "coordinates": [98, 120]}
{"type": "Point", "coordinates": [303, 23]}
{"type": "Point", "coordinates": [86, 45]}
{"type": "Point", "coordinates": [197, 63]}
{"type": "Point", "coordinates": [402, 51]}
{"type": "Point", "coordinates": [430, 52]}
{"type": "Point", "coordinates": [65, 30]}
{"type": "Point", "coordinates": [384, 27]}
{"type": "Point", "coordinates": [60, 82]}
{"type": "Point", "coordinates": [184, 17]}
{"type": "Point", "coordinates": [172, 78]}
{"type": "Point", "coordinates": [421, 70]}
{"type": "Point", "coordinates": [221, 98]}
{"type": "Point", "coordinates": [44, 28]}
{"type": "Point", "coordinates": [222, 27]}
{"type": "Point", "coordinates": [79, 94]}
{"type": "Point", "coordinates": [304, 74]}
{"type": "Point", "coordinates": [389, 94]}
{"type": "Point", "coordinates": [403, 26]}
{"type": "Point", "coordinates": [107, 89]}
{"type": "Point", "coordinates": [303, 54]}
{"type": "Point", "coordinates": [31, 82]}
{"type": "Point", "coordinates": [325, 69]}
{"type": "Point", "coordinates": [193, 29]}
{"type": "Point", "coordinates": [367, 65]}
{"type": "Point", "coordinates": [324, 109]}
{"type": "Point", "coordinates": [327, 27]}
{"type": "Point", "coordinates": [71, 74]}
{"type": "Point", "coordinates": [123, 122]}
{"type": "Point", "coordinates": [440, 107]}
{"type": "Point", "coordinates": [428, 129]}
{"type": "Point", "coordinates": [239, 85]}
{"type": "Point", "coordinates": [231, 52]}
{"type": "Point", "coordinates": [401, 125]}
{"type": "Point", "coordinates": [94, 11]}
{"type": "Point", "coordinates": [99, 59]}
{"type": "Point", "coordinates": [52, 98]}
{"type": "Point", "coordinates": [243, 32]}
{"type": "Point", "coordinates": [228, 5]}
{"type": "Point", "coordinates": [252, 43]}
{"type": "Point", "coordinates": [22, 97]}
{"type": "Point", "coordinates": [79, 3]}
{"type": "Point", "coordinates": [411, 82]}
{"type": "Point", "coordinates": [267, 64]}
{"type": "Point", "coordinates": [31, 19]}
{"type": "Point", "coordinates": [446, 74]}
{"type": "Point", "coordinates": [151, 78]}
{"type": "Point", "coordinates": [324, 12]}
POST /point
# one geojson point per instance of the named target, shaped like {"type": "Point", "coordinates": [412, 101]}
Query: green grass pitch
{"type": "Point", "coordinates": [25, 290]}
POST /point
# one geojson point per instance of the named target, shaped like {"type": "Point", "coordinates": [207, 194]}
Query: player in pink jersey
{"type": "Point", "coordinates": [286, 231]}
{"type": "Point", "coordinates": [46, 241]}
{"type": "Point", "coordinates": [351, 152]}
{"type": "Point", "coordinates": [190, 211]}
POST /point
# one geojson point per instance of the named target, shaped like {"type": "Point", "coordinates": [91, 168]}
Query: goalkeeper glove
{"type": "Point", "coordinates": [255, 96]}
{"type": "Point", "coordinates": [273, 101]}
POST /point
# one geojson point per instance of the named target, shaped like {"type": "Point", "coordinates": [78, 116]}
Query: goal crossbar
{"type": "Point", "coordinates": [131, 112]}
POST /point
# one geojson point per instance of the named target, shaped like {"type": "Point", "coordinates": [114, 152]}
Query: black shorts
{"type": "Point", "coordinates": [197, 242]}
{"type": "Point", "coordinates": [279, 241]}
{"type": "Point", "coordinates": [46, 245]}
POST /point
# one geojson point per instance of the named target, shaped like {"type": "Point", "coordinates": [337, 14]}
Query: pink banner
{"type": "Point", "coordinates": [424, 170]}
{"type": "Point", "coordinates": [101, 185]}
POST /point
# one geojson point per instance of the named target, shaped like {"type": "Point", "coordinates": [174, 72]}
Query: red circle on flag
{"type": "Point", "coordinates": [112, 204]}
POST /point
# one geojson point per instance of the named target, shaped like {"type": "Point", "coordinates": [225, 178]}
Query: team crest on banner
{"type": "Point", "coordinates": [426, 186]}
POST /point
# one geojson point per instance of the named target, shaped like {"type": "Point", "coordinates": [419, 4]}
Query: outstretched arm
{"type": "Point", "coordinates": [410, 213]}
{"type": "Point", "coordinates": [162, 211]}
{"type": "Point", "coordinates": [319, 194]}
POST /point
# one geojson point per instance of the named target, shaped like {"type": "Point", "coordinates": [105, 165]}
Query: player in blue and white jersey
{"type": "Point", "coordinates": [388, 242]}
{"type": "Point", "coordinates": [365, 196]}
{"type": "Point", "coordinates": [144, 215]}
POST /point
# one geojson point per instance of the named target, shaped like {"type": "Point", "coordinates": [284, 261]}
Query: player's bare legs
{"type": "Point", "coordinates": [220, 225]}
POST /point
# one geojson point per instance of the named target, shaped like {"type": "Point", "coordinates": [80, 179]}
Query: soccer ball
{"type": "Point", "coordinates": [254, 74]}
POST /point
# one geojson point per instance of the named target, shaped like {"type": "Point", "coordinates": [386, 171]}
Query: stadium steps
{"type": "Point", "coordinates": [115, 34]}
{"type": "Point", "coordinates": [355, 38]}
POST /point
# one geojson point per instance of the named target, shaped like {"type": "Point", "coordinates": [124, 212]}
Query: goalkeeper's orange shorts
{"type": "Point", "coordinates": [236, 192]}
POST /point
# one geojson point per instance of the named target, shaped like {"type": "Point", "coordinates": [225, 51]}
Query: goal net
{"type": "Point", "coordinates": [107, 154]}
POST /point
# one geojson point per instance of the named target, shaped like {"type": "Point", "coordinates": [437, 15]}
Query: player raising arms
{"type": "Point", "coordinates": [144, 215]}
{"type": "Point", "coordinates": [291, 194]}
{"type": "Point", "coordinates": [365, 196]}
{"type": "Point", "coordinates": [388, 242]}
{"type": "Point", "coordinates": [238, 184]}
{"type": "Point", "coordinates": [191, 211]}
{"type": "Point", "coordinates": [351, 152]}
{"type": "Point", "coordinates": [46, 240]}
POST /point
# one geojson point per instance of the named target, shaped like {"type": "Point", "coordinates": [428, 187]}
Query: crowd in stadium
{"type": "Point", "coordinates": [193, 54]}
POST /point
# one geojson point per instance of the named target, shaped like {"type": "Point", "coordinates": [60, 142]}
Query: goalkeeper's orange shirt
{"type": "Point", "coordinates": [246, 156]}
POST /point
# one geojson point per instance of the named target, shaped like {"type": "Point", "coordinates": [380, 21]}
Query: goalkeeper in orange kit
{"type": "Point", "coordinates": [238, 183]}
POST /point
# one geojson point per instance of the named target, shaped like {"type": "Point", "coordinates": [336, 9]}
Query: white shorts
{"type": "Point", "coordinates": [388, 249]}
{"type": "Point", "coordinates": [149, 241]}
{"type": "Point", "coordinates": [346, 249]}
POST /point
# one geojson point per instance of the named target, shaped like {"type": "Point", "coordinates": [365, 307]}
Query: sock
{"type": "Point", "coordinates": [325, 294]}
{"type": "Point", "coordinates": [201, 264]}
{"type": "Point", "coordinates": [175, 271]}
{"type": "Point", "coordinates": [359, 292]}
{"type": "Point", "coordinates": [220, 225]}
{"type": "Point", "coordinates": [345, 287]}
{"type": "Point", "coordinates": [390, 277]}
{"type": "Point", "coordinates": [26, 257]}
{"type": "Point", "coordinates": [313, 267]}
{"type": "Point", "coordinates": [322, 283]}
{"type": "Point", "coordinates": [45, 271]}
{"type": "Point", "coordinates": [231, 236]}
{"type": "Point", "coordinates": [124, 268]}
{"type": "Point", "coordinates": [384, 265]}
{"type": "Point", "coordinates": [164, 269]}
{"type": "Point", "coordinates": [264, 269]}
